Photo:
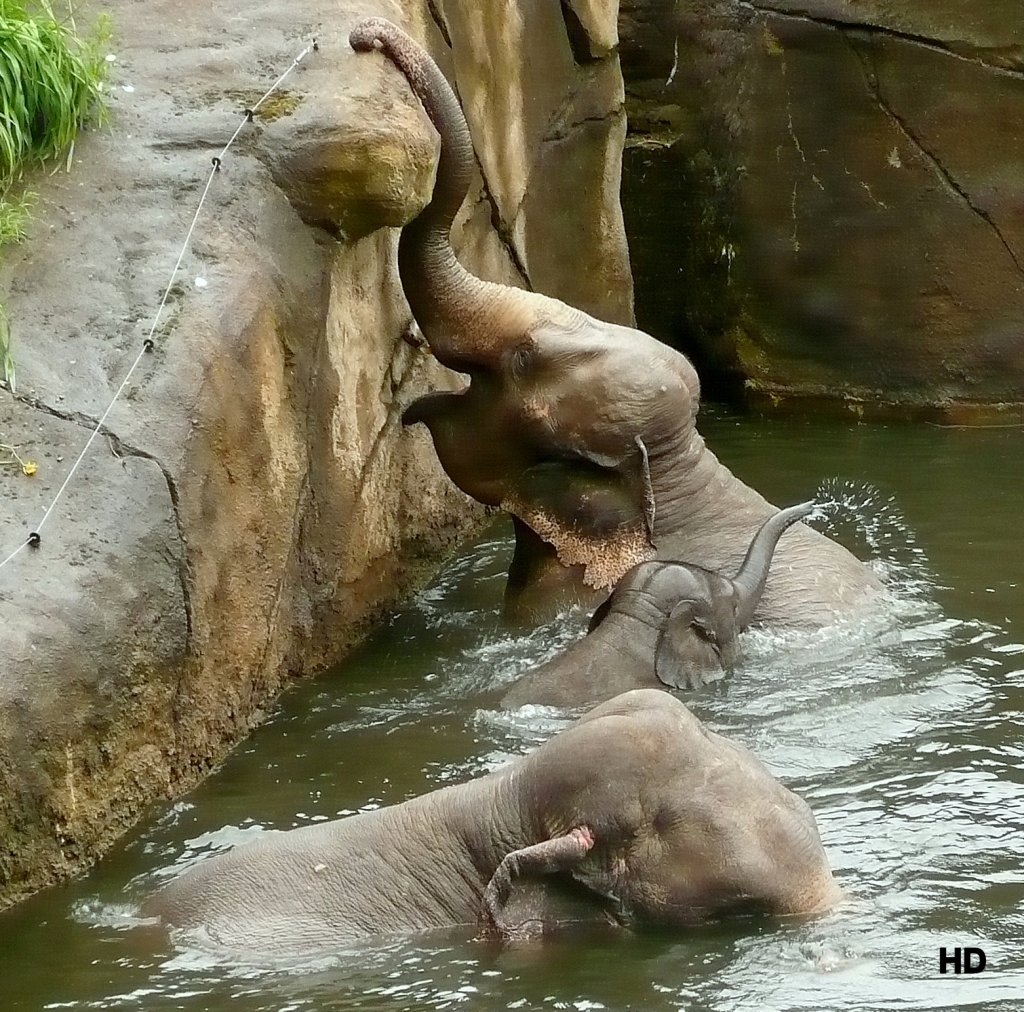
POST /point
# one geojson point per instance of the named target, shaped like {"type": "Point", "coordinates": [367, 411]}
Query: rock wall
{"type": "Point", "coordinates": [253, 503]}
{"type": "Point", "coordinates": [823, 199]}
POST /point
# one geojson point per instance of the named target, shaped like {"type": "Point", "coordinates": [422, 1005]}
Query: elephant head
{"type": "Point", "coordinates": [583, 430]}
{"type": "Point", "coordinates": [633, 815]}
{"type": "Point", "coordinates": [696, 614]}
{"type": "Point", "coordinates": [666, 623]}
{"type": "Point", "coordinates": [669, 823]}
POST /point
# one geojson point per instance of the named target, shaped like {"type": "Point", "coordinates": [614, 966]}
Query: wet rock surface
{"type": "Point", "coordinates": [253, 503]}
{"type": "Point", "coordinates": [847, 175]}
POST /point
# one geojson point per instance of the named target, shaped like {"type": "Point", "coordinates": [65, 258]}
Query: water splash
{"type": "Point", "coordinates": [872, 526]}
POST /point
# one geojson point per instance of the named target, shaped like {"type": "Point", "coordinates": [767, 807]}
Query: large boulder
{"type": "Point", "coordinates": [822, 198]}
{"type": "Point", "coordinates": [253, 503]}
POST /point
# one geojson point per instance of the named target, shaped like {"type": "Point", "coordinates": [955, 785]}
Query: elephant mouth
{"type": "Point", "coordinates": [429, 407]}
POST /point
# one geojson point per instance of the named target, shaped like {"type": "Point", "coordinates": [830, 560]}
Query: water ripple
{"type": "Point", "coordinates": [904, 730]}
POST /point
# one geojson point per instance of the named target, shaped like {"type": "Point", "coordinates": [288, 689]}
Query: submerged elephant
{"type": "Point", "coordinates": [582, 430]}
{"type": "Point", "coordinates": [665, 623]}
{"type": "Point", "coordinates": [634, 815]}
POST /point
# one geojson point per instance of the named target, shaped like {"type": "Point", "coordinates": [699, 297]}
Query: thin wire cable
{"type": "Point", "coordinates": [85, 449]}
{"type": "Point", "coordinates": [298, 59]}
{"type": "Point", "coordinates": [147, 345]}
{"type": "Point", "coordinates": [17, 551]}
{"type": "Point", "coordinates": [181, 256]}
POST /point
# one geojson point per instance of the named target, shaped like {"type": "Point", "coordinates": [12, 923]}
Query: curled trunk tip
{"type": "Point", "coordinates": [429, 85]}
{"type": "Point", "coordinates": [371, 32]}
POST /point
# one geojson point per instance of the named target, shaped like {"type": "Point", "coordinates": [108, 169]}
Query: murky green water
{"type": "Point", "coordinates": [906, 741]}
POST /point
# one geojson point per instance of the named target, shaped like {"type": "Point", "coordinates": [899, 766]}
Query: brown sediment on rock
{"type": "Point", "coordinates": [880, 406]}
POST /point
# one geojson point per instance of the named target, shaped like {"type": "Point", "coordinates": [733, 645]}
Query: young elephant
{"type": "Point", "coordinates": [666, 623]}
{"type": "Point", "coordinates": [634, 815]}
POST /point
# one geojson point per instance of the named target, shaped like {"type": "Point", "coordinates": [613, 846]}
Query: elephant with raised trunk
{"type": "Point", "coordinates": [635, 815]}
{"type": "Point", "coordinates": [583, 430]}
{"type": "Point", "coordinates": [666, 624]}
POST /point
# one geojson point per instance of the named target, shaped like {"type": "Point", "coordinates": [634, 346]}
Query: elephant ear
{"type": "Point", "coordinates": [675, 657]}
{"type": "Point", "coordinates": [593, 515]}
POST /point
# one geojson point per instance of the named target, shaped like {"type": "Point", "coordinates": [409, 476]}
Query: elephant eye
{"type": "Point", "coordinates": [705, 632]}
{"type": "Point", "coordinates": [665, 820]}
{"type": "Point", "coordinates": [522, 357]}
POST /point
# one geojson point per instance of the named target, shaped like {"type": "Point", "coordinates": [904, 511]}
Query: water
{"type": "Point", "coordinates": [905, 738]}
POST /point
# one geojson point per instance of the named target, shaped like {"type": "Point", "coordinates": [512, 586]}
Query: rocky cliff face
{"type": "Point", "coordinates": [254, 502]}
{"type": "Point", "coordinates": [823, 198]}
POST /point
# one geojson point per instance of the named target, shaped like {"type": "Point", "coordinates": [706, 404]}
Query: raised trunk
{"type": "Point", "coordinates": [447, 301]}
{"type": "Point", "coordinates": [753, 574]}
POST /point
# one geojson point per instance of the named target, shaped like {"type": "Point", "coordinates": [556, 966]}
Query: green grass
{"type": "Point", "coordinates": [15, 212]}
{"type": "Point", "coordinates": [51, 85]}
{"type": "Point", "coordinates": [50, 82]}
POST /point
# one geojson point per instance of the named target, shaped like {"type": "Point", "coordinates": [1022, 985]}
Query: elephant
{"type": "Point", "coordinates": [665, 624]}
{"type": "Point", "coordinates": [584, 431]}
{"type": "Point", "coordinates": [634, 816]}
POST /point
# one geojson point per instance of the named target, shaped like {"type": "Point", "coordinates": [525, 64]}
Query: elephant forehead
{"type": "Point", "coordinates": [619, 373]}
{"type": "Point", "coordinates": [654, 715]}
{"type": "Point", "coordinates": [607, 395]}
{"type": "Point", "coordinates": [701, 834]}
{"type": "Point", "coordinates": [628, 764]}
{"type": "Point", "coordinates": [671, 581]}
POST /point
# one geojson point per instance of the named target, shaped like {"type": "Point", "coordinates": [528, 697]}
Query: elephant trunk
{"type": "Point", "coordinates": [753, 574]}
{"type": "Point", "coordinates": [455, 168]}
{"type": "Point", "coordinates": [438, 288]}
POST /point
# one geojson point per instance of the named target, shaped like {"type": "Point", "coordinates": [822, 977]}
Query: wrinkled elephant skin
{"type": "Point", "coordinates": [550, 837]}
